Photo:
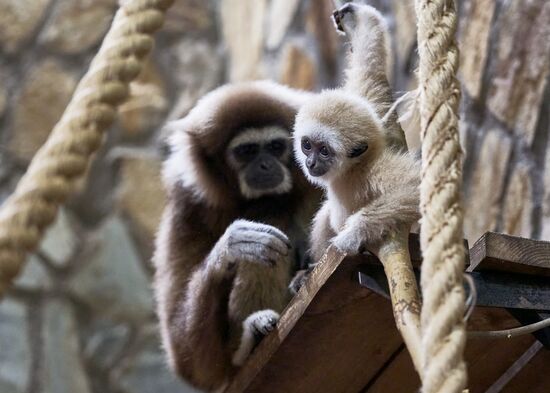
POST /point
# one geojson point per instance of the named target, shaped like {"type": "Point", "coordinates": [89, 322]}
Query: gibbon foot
{"type": "Point", "coordinates": [298, 281]}
{"type": "Point", "coordinates": [255, 327]}
{"type": "Point", "coordinates": [263, 322]}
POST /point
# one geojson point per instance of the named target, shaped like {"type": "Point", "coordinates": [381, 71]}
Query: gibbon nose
{"type": "Point", "coordinates": [310, 163]}
{"type": "Point", "coordinates": [266, 166]}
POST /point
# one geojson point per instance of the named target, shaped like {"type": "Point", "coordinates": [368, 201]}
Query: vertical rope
{"type": "Point", "coordinates": [442, 325]}
{"type": "Point", "coordinates": [64, 158]}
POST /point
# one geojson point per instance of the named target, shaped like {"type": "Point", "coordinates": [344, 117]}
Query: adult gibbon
{"type": "Point", "coordinates": [234, 230]}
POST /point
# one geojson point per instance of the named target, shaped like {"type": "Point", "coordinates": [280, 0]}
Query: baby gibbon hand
{"type": "Point", "coordinates": [249, 241]}
{"type": "Point", "coordinates": [350, 239]}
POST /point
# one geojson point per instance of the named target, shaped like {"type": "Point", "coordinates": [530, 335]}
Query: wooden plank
{"type": "Point", "coordinates": [487, 360]}
{"type": "Point", "coordinates": [496, 251]}
{"type": "Point", "coordinates": [515, 368]}
{"type": "Point", "coordinates": [269, 345]}
{"type": "Point", "coordinates": [416, 252]}
{"type": "Point", "coordinates": [494, 289]}
{"type": "Point", "coordinates": [334, 333]}
{"type": "Point", "coordinates": [534, 377]}
{"type": "Point", "coordinates": [332, 338]}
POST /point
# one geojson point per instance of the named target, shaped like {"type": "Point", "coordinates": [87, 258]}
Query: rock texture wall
{"type": "Point", "coordinates": [80, 318]}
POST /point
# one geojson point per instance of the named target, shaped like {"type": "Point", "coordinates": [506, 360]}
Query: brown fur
{"type": "Point", "coordinates": [200, 307]}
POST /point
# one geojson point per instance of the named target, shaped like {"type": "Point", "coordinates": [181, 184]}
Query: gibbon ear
{"type": "Point", "coordinates": [358, 150]}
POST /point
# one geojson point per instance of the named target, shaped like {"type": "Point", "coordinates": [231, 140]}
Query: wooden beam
{"type": "Point", "coordinates": [494, 289]}
{"type": "Point", "coordinates": [496, 251]}
{"type": "Point", "coordinates": [487, 360]}
{"type": "Point", "coordinates": [534, 376]}
{"type": "Point", "coordinates": [334, 337]}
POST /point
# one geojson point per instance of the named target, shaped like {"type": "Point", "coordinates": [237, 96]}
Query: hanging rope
{"type": "Point", "coordinates": [61, 162]}
{"type": "Point", "coordinates": [442, 315]}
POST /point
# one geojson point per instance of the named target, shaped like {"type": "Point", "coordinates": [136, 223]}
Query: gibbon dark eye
{"type": "Point", "coordinates": [276, 147]}
{"type": "Point", "coordinates": [306, 144]}
{"type": "Point", "coordinates": [246, 152]}
{"type": "Point", "coordinates": [324, 151]}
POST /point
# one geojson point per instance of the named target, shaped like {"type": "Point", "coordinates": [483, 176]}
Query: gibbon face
{"type": "Point", "coordinates": [260, 157]}
{"type": "Point", "coordinates": [333, 133]}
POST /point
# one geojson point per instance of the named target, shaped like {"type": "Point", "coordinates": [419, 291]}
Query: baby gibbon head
{"type": "Point", "coordinates": [334, 133]}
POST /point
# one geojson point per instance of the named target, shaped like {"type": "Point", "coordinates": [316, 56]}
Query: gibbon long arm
{"type": "Point", "coordinates": [192, 306]}
{"type": "Point", "coordinates": [367, 70]}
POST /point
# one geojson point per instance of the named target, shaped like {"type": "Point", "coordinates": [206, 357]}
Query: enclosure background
{"type": "Point", "coordinates": [80, 318]}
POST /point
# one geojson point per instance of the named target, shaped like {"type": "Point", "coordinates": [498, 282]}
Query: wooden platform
{"type": "Point", "coordinates": [337, 336]}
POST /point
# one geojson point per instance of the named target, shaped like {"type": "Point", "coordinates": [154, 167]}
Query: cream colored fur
{"type": "Point", "coordinates": [371, 195]}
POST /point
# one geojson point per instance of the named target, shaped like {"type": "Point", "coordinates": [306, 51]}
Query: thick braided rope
{"type": "Point", "coordinates": [64, 158]}
{"type": "Point", "coordinates": [442, 327]}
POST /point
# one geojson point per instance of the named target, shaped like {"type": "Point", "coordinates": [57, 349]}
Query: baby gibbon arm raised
{"type": "Point", "coordinates": [369, 63]}
{"type": "Point", "coordinates": [321, 232]}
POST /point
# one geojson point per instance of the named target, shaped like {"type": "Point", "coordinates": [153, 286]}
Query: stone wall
{"type": "Point", "coordinates": [80, 318]}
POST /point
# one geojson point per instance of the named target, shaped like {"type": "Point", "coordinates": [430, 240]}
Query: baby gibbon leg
{"type": "Point", "coordinates": [321, 233]}
{"type": "Point", "coordinates": [258, 295]}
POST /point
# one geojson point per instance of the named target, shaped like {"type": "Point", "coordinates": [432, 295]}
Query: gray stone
{"type": "Point", "coordinates": [545, 233]}
{"type": "Point", "coordinates": [15, 352]}
{"type": "Point", "coordinates": [63, 369]}
{"type": "Point", "coordinates": [148, 372]}
{"type": "Point", "coordinates": [141, 194]}
{"type": "Point", "coordinates": [405, 28]}
{"type": "Point", "coordinates": [518, 205]}
{"type": "Point", "coordinates": [146, 106]}
{"type": "Point", "coordinates": [243, 32]}
{"type": "Point", "coordinates": [105, 343]}
{"type": "Point", "coordinates": [19, 20]}
{"type": "Point", "coordinates": [319, 25]}
{"type": "Point", "coordinates": [482, 204]}
{"type": "Point", "coordinates": [61, 240]}
{"type": "Point", "coordinates": [200, 66]}
{"type": "Point", "coordinates": [4, 75]}
{"type": "Point", "coordinates": [75, 26]}
{"type": "Point", "coordinates": [113, 282]}
{"type": "Point", "coordinates": [521, 65]}
{"type": "Point", "coordinates": [281, 13]}
{"type": "Point", "coordinates": [190, 17]}
{"type": "Point", "coordinates": [47, 83]}
{"type": "Point", "coordinates": [34, 276]}
{"type": "Point", "coordinates": [474, 40]}
{"type": "Point", "coordinates": [297, 68]}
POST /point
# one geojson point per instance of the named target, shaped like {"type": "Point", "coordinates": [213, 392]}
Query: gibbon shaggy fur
{"type": "Point", "coordinates": [234, 229]}
{"type": "Point", "coordinates": [343, 146]}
